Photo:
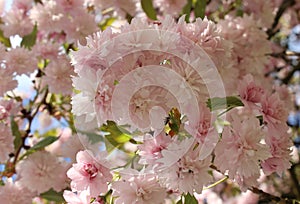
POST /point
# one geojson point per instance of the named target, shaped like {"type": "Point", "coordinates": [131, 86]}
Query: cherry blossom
{"type": "Point", "coordinates": [21, 61]}
{"type": "Point", "coordinates": [242, 147]}
{"type": "Point", "coordinates": [82, 197]}
{"type": "Point", "coordinates": [14, 193]}
{"type": "Point", "coordinates": [281, 154]}
{"type": "Point", "coordinates": [181, 170]}
{"type": "Point", "coordinates": [137, 187]}
{"type": "Point", "coordinates": [250, 92]}
{"type": "Point", "coordinates": [42, 171]}
{"type": "Point", "coordinates": [58, 76]}
{"type": "Point", "coordinates": [90, 173]}
{"type": "Point", "coordinates": [151, 149]}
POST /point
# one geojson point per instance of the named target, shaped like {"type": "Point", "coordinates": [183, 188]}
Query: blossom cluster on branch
{"type": "Point", "coordinates": [151, 101]}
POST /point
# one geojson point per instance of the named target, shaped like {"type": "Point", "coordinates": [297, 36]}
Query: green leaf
{"type": "Point", "coordinates": [16, 132]}
{"type": "Point", "coordinates": [93, 137]}
{"type": "Point", "coordinates": [223, 103]}
{"type": "Point", "coordinates": [4, 39]}
{"type": "Point", "coordinates": [40, 145]}
{"type": "Point", "coordinates": [44, 142]}
{"type": "Point", "coordinates": [29, 40]}
{"type": "Point", "coordinates": [2, 183]}
{"type": "Point", "coordinates": [179, 202]}
{"type": "Point", "coordinates": [200, 6]}
{"type": "Point", "coordinates": [109, 146]}
{"type": "Point", "coordinates": [117, 136]}
{"type": "Point", "coordinates": [149, 9]}
{"type": "Point", "coordinates": [106, 23]}
{"type": "Point", "coordinates": [173, 122]}
{"type": "Point", "coordinates": [187, 10]}
{"type": "Point", "coordinates": [116, 82]}
{"type": "Point", "coordinates": [52, 195]}
{"type": "Point", "coordinates": [190, 199]}
{"type": "Point", "coordinates": [128, 18]}
{"type": "Point", "coordinates": [239, 8]}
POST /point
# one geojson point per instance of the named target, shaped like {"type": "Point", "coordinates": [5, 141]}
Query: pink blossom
{"type": "Point", "coordinates": [263, 11]}
{"type": "Point", "coordinates": [144, 100]}
{"type": "Point", "coordinates": [181, 170]}
{"type": "Point", "coordinates": [208, 36]}
{"type": "Point", "coordinates": [250, 92]}
{"type": "Point", "coordinates": [138, 188]}
{"type": "Point", "coordinates": [191, 77]}
{"type": "Point", "coordinates": [6, 142]}
{"type": "Point", "coordinates": [102, 104]}
{"type": "Point", "coordinates": [83, 104]}
{"type": "Point", "coordinates": [242, 148]}
{"type": "Point", "coordinates": [90, 56]}
{"type": "Point", "coordinates": [25, 5]}
{"type": "Point", "coordinates": [120, 6]}
{"type": "Point", "coordinates": [14, 193]}
{"type": "Point", "coordinates": [68, 16]}
{"type": "Point", "coordinates": [204, 131]}
{"type": "Point", "coordinates": [81, 25]}
{"type": "Point", "coordinates": [21, 60]}
{"type": "Point", "coordinates": [273, 109]}
{"type": "Point", "coordinates": [151, 149]}
{"type": "Point", "coordinates": [47, 16]}
{"type": "Point", "coordinates": [16, 22]}
{"type": "Point", "coordinates": [8, 108]}
{"type": "Point", "coordinates": [281, 153]}
{"type": "Point", "coordinates": [82, 197]}
{"type": "Point", "coordinates": [171, 7]}
{"type": "Point", "coordinates": [90, 173]}
{"type": "Point", "coordinates": [2, 6]}
{"type": "Point", "coordinates": [285, 95]}
{"type": "Point", "coordinates": [46, 50]}
{"type": "Point", "coordinates": [42, 171]}
{"type": "Point", "coordinates": [58, 76]}
{"type": "Point", "coordinates": [7, 83]}
{"type": "Point", "coordinates": [250, 44]}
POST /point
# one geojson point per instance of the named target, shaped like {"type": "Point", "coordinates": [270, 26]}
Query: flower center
{"type": "Point", "coordinates": [91, 170]}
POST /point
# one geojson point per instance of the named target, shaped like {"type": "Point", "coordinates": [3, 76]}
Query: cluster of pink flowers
{"type": "Point", "coordinates": [256, 136]}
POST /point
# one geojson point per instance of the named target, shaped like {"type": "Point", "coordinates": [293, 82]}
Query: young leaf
{"type": "Point", "coordinates": [93, 137]}
{"type": "Point", "coordinates": [4, 39]}
{"type": "Point", "coordinates": [44, 142]}
{"type": "Point", "coordinates": [117, 136]}
{"type": "Point", "coordinates": [173, 122]}
{"type": "Point", "coordinates": [52, 195]}
{"type": "Point", "coordinates": [190, 199]}
{"type": "Point", "coordinates": [223, 103]}
{"type": "Point", "coordinates": [200, 6]}
{"type": "Point", "coordinates": [16, 132]}
{"type": "Point", "coordinates": [179, 202]}
{"type": "Point", "coordinates": [106, 23]}
{"type": "Point", "coordinates": [41, 144]}
{"type": "Point", "coordinates": [149, 9]}
{"type": "Point", "coordinates": [187, 10]}
{"type": "Point", "coordinates": [29, 40]}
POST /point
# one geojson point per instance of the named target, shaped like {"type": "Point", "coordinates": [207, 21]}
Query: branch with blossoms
{"type": "Point", "coordinates": [150, 101]}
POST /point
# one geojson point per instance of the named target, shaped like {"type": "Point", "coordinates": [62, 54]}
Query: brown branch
{"type": "Point", "coordinates": [284, 5]}
{"type": "Point", "coordinates": [269, 198]}
{"type": "Point", "coordinates": [295, 180]}
{"type": "Point", "coordinates": [29, 116]}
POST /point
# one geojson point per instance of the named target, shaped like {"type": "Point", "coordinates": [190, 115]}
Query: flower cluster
{"type": "Point", "coordinates": [136, 70]}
